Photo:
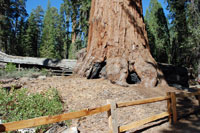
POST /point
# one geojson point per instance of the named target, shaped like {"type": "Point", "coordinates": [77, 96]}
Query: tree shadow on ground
{"type": "Point", "coordinates": [188, 119]}
{"type": "Point", "coordinates": [188, 116]}
{"type": "Point", "coordinates": [189, 124]}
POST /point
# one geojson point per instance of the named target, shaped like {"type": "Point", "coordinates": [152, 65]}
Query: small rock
{"type": "Point", "coordinates": [42, 77]}
{"type": "Point", "coordinates": [24, 80]}
{"type": "Point", "coordinates": [57, 128]}
{"type": "Point", "coordinates": [31, 79]}
{"type": "Point", "coordinates": [198, 86]}
{"type": "Point", "coordinates": [71, 130]}
{"type": "Point", "coordinates": [35, 75]}
{"type": "Point", "coordinates": [27, 130]}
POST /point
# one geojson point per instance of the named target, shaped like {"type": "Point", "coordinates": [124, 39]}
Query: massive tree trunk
{"type": "Point", "coordinates": [118, 46]}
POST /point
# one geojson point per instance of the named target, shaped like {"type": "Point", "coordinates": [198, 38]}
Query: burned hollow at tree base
{"type": "Point", "coordinates": [99, 70]}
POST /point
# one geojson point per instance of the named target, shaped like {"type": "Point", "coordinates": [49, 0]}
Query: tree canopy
{"type": "Point", "coordinates": [174, 39]}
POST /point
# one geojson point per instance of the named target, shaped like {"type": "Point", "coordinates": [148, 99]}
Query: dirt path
{"type": "Point", "coordinates": [80, 93]}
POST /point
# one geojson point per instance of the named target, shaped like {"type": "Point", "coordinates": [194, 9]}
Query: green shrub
{"type": "Point", "coordinates": [44, 71]}
{"type": "Point", "coordinates": [20, 105]}
{"type": "Point", "coordinates": [10, 67]}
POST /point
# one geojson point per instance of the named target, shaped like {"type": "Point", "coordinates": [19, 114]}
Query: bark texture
{"type": "Point", "coordinates": [118, 44]}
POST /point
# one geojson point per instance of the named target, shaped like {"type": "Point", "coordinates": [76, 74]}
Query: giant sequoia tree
{"type": "Point", "coordinates": [118, 45]}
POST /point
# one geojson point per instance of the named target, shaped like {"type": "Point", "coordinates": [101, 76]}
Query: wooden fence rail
{"type": "Point", "coordinates": [145, 101]}
{"type": "Point", "coordinates": [51, 119]}
{"type": "Point", "coordinates": [142, 122]}
{"type": "Point", "coordinates": [110, 108]}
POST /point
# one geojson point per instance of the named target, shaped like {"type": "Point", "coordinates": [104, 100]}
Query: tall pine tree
{"type": "Point", "coordinates": [158, 32]}
{"type": "Point", "coordinates": [178, 9]}
{"type": "Point", "coordinates": [39, 16]}
{"type": "Point", "coordinates": [32, 38]}
{"type": "Point", "coordinates": [194, 33]}
{"type": "Point", "coordinates": [12, 25]}
{"type": "Point", "coordinates": [49, 35]}
{"type": "Point", "coordinates": [61, 34]}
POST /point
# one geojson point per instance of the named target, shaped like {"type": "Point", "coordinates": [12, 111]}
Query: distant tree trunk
{"type": "Point", "coordinates": [74, 31]}
{"type": "Point", "coordinates": [117, 45]}
{"type": "Point", "coordinates": [198, 78]}
{"type": "Point", "coordinates": [73, 36]}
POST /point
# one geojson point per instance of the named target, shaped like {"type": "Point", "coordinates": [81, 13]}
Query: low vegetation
{"type": "Point", "coordinates": [11, 71]}
{"type": "Point", "coordinates": [18, 105]}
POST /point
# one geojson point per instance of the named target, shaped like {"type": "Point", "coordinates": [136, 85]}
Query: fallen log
{"type": "Point", "coordinates": [13, 86]}
{"type": "Point", "coordinates": [55, 63]}
{"type": "Point", "coordinates": [6, 81]}
{"type": "Point", "coordinates": [172, 74]}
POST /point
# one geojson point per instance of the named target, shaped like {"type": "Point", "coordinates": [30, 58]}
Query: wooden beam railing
{"type": "Point", "coordinates": [111, 110]}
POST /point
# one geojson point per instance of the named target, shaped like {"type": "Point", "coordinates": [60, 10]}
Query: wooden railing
{"type": "Point", "coordinates": [110, 108]}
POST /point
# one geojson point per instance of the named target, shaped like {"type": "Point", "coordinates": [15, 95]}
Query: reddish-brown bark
{"type": "Point", "coordinates": [118, 40]}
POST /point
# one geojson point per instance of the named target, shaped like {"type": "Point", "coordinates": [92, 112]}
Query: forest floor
{"type": "Point", "coordinates": [80, 93]}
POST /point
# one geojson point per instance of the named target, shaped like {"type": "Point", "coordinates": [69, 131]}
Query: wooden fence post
{"type": "Point", "coordinates": [198, 96]}
{"type": "Point", "coordinates": [19, 67]}
{"type": "Point", "coordinates": [112, 117]}
{"type": "Point", "coordinates": [169, 108]}
{"type": "Point", "coordinates": [109, 118]}
{"type": "Point", "coordinates": [173, 102]}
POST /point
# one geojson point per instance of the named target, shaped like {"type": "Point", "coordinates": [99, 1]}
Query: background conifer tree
{"type": "Point", "coordinates": [158, 32]}
{"type": "Point", "coordinates": [49, 35]}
